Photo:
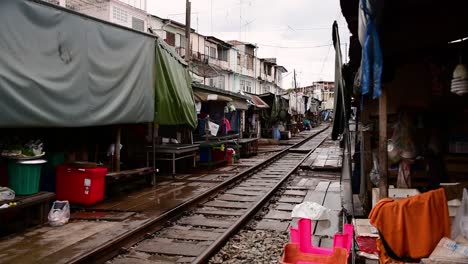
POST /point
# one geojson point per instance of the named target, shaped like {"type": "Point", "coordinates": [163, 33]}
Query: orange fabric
{"type": "Point", "coordinates": [412, 227]}
{"type": "Point", "coordinates": [383, 257]}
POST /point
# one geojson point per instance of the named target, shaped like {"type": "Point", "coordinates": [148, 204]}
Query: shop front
{"type": "Point", "coordinates": [75, 121]}
{"type": "Point", "coordinates": [407, 74]}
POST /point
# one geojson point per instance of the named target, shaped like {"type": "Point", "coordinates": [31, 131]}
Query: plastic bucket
{"type": "Point", "coordinates": [231, 156]}
{"type": "Point", "coordinates": [24, 176]}
{"type": "Point", "coordinates": [48, 171]}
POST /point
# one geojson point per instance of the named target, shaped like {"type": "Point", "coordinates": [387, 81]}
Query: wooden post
{"type": "Point", "coordinates": [153, 146]}
{"type": "Point", "coordinates": [188, 11]}
{"type": "Point", "coordinates": [383, 184]}
{"type": "Point", "coordinates": [117, 148]}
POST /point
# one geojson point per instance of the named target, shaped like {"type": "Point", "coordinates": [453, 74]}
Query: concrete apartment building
{"type": "Point", "coordinates": [127, 13]}
{"type": "Point", "coordinates": [229, 65]}
{"type": "Point", "coordinates": [323, 91]}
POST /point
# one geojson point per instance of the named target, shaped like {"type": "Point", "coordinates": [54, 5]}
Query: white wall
{"type": "Point", "coordinates": [156, 24]}
{"type": "Point", "coordinates": [122, 14]}
{"type": "Point", "coordinates": [140, 4]}
{"type": "Point", "coordinates": [100, 11]}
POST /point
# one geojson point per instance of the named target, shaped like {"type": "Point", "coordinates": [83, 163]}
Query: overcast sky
{"type": "Point", "coordinates": [296, 32]}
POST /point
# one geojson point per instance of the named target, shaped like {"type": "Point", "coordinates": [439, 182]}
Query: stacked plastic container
{"type": "Point", "coordinates": [301, 251]}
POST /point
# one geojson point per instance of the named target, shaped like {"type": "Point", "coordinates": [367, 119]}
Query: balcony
{"type": "Point", "coordinates": [197, 56]}
{"type": "Point", "coordinates": [180, 51]}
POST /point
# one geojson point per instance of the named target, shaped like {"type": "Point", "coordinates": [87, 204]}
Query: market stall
{"type": "Point", "coordinates": [90, 104]}
{"type": "Point", "coordinates": [410, 79]}
{"type": "Point", "coordinates": [214, 131]}
{"type": "Point", "coordinates": [175, 116]}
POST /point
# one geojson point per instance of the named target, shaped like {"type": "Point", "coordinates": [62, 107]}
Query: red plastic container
{"type": "Point", "coordinates": [230, 156]}
{"type": "Point", "coordinates": [80, 185]}
{"type": "Point", "coordinates": [218, 155]}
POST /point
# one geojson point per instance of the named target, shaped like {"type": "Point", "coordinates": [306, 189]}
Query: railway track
{"type": "Point", "coordinates": [195, 230]}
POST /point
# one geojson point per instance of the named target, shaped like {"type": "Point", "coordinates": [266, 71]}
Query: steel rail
{"type": "Point", "coordinates": [240, 223]}
{"type": "Point", "coordinates": [119, 243]}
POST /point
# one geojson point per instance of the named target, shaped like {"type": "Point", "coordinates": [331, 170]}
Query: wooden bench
{"type": "Point", "coordinates": [29, 211]}
{"type": "Point", "coordinates": [247, 147]}
{"type": "Point", "coordinates": [112, 177]}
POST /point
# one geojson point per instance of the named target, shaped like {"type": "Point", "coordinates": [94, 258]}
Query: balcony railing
{"type": "Point", "coordinates": [200, 57]}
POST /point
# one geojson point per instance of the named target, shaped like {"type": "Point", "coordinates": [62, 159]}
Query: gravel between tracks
{"type": "Point", "coordinates": [252, 247]}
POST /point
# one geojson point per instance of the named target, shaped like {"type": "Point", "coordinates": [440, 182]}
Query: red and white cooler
{"type": "Point", "coordinates": [80, 185]}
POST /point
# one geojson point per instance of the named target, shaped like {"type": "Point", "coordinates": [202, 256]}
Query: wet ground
{"type": "Point", "coordinates": [117, 215]}
{"type": "Point", "coordinates": [121, 213]}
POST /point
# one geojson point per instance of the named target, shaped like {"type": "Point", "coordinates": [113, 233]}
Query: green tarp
{"type": "Point", "coordinates": [174, 103]}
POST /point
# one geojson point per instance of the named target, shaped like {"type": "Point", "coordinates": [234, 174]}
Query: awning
{"type": "Point", "coordinates": [258, 102]}
{"type": "Point", "coordinates": [205, 97]}
{"type": "Point", "coordinates": [240, 104]}
{"type": "Point", "coordinates": [174, 104]}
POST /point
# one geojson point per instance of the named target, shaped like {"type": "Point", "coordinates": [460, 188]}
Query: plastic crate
{"type": "Point", "coordinates": [80, 185]}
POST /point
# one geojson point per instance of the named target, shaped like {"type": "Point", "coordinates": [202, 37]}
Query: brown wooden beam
{"type": "Point", "coordinates": [383, 166]}
{"type": "Point", "coordinates": [117, 148]}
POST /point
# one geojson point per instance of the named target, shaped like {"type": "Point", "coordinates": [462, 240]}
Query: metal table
{"type": "Point", "coordinates": [174, 152]}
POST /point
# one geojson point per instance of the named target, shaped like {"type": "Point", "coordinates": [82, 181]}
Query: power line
{"type": "Point", "coordinates": [325, 59]}
{"type": "Point", "coordinates": [286, 47]}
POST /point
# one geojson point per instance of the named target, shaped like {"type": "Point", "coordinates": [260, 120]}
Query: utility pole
{"type": "Point", "coordinates": [240, 20]}
{"type": "Point", "coordinates": [295, 89]}
{"type": "Point", "coordinates": [188, 7]}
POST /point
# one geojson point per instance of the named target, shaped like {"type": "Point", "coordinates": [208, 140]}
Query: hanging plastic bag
{"type": "Point", "coordinates": [59, 214]}
{"type": "Point", "coordinates": [374, 174]}
{"type": "Point", "coordinates": [460, 223]}
{"type": "Point", "coordinates": [6, 194]}
{"type": "Point", "coordinates": [402, 137]}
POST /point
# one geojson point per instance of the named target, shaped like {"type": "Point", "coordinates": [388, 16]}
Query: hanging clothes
{"type": "Point", "coordinates": [342, 97]}
{"type": "Point", "coordinates": [372, 59]}
{"type": "Point", "coordinates": [226, 124]}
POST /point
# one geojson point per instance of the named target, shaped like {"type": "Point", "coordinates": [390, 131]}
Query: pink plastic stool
{"type": "Point", "coordinates": [302, 236]}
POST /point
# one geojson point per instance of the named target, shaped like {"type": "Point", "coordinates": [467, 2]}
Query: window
{"type": "Point", "coordinates": [266, 89]}
{"type": "Point", "coordinates": [222, 54]}
{"type": "Point", "coordinates": [248, 86]}
{"type": "Point", "coordinates": [212, 52]}
{"type": "Point", "coordinates": [267, 69]}
{"type": "Point", "coordinates": [212, 82]}
{"type": "Point", "coordinates": [183, 41]}
{"type": "Point", "coordinates": [242, 85]}
{"type": "Point", "coordinates": [170, 38]}
{"type": "Point", "coordinates": [221, 82]}
{"type": "Point", "coordinates": [249, 62]}
{"type": "Point", "coordinates": [119, 14]}
{"type": "Point", "coordinates": [238, 59]}
{"type": "Point", "coordinates": [138, 24]}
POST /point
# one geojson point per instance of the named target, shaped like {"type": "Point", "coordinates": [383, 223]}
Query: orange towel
{"type": "Point", "coordinates": [412, 227]}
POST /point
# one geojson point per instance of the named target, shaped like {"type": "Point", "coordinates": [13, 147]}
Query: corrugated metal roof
{"type": "Point", "coordinates": [258, 102]}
